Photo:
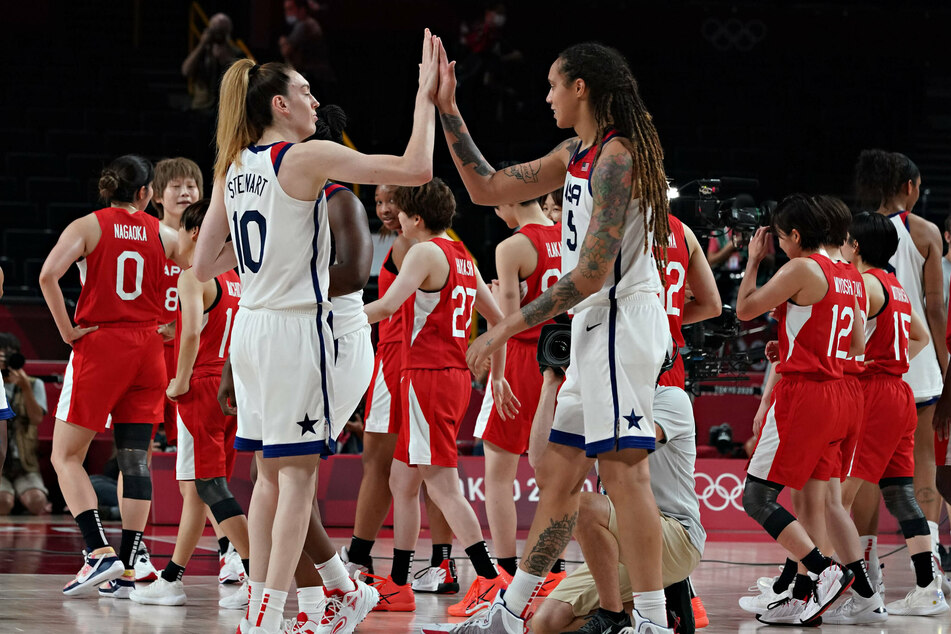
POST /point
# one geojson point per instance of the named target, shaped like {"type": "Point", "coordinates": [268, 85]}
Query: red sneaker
{"type": "Point", "coordinates": [552, 579]}
{"type": "Point", "coordinates": [699, 613]}
{"type": "Point", "coordinates": [480, 594]}
{"type": "Point", "coordinates": [394, 598]}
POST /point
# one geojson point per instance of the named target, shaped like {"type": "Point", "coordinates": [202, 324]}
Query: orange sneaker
{"type": "Point", "coordinates": [552, 579]}
{"type": "Point", "coordinates": [480, 594]}
{"type": "Point", "coordinates": [699, 613]}
{"type": "Point", "coordinates": [394, 598]}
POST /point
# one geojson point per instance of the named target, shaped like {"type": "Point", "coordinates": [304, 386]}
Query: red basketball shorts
{"type": "Point", "coordinates": [383, 395]}
{"type": "Point", "coordinates": [118, 371]}
{"type": "Point", "coordinates": [434, 402]}
{"type": "Point", "coordinates": [886, 448]}
{"type": "Point", "coordinates": [206, 436]}
{"type": "Point", "coordinates": [674, 377]}
{"type": "Point", "coordinates": [802, 433]}
{"type": "Point", "coordinates": [170, 417]}
{"type": "Point", "coordinates": [853, 418]}
{"type": "Point", "coordinates": [525, 379]}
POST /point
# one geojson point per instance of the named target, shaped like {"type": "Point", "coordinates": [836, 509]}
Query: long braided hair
{"type": "Point", "coordinates": [617, 104]}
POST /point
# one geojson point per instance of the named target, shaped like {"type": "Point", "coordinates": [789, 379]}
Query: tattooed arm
{"type": "Point", "coordinates": [486, 186]}
{"type": "Point", "coordinates": [611, 184]}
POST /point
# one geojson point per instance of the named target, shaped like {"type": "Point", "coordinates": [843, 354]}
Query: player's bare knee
{"type": "Point", "coordinates": [6, 503]}
{"type": "Point", "coordinates": [551, 617]}
{"type": "Point", "coordinates": [593, 511]}
{"type": "Point", "coordinates": [35, 501]}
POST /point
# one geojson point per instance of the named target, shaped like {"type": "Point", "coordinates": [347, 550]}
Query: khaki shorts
{"type": "Point", "coordinates": [680, 557]}
{"type": "Point", "coordinates": [23, 483]}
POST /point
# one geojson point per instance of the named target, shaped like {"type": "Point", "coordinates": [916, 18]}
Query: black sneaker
{"type": "Point", "coordinates": [602, 623]}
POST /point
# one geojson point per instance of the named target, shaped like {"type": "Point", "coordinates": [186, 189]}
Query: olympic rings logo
{"type": "Point", "coordinates": [719, 494]}
{"type": "Point", "coordinates": [733, 33]}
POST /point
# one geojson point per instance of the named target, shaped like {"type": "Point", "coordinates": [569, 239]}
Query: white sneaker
{"type": "Point", "coordinates": [784, 612]}
{"type": "Point", "coordinates": [877, 579]}
{"type": "Point", "coordinates": [144, 570]}
{"type": "Point", "coordinates": [939, 571]}
{"type": "Point", "coordinates": [830, 585]}
{"type": "Point", "coordinates": [160, 592]}
{"type": "Point", "coordinates": [244, 627]}
{"type": "Point", "coordinates": [761, 602]}
{"type": "Point", "coordinates": [237, 600]}
{"type": "Point", "coordinates": [496, 619]}
{"type": "Point", "coordinates": [763, 583]}
{"type": "Point", "coordinates": [345, 610]}
{"type": "Point", "coordinates": [352, 567]}
{"type": "Point", "coordinates": [230, 569]}
{"type": "Point", "coordinates": [645, 626]}
{"type": "Point", "coordinates": [857, 610]}
{"type": "Point", "coordinates": [303, 624]}
{"type": "Point", "coordinates": [441, 579]}
{"type": "Point", "coordinates": [926, 601]}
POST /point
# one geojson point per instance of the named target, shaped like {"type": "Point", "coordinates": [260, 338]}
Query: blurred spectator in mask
{"type": "Point", "coordinates": [26, 395]}
{"type": "Point", "coordinates": [205, 65]}
{"type": "Point", "coordinates": [305, 48]}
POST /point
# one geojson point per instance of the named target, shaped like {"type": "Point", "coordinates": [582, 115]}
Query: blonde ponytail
{"type": "Point", "coordinates": [234, 133]}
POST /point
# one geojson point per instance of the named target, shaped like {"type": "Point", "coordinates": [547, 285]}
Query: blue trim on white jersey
{"type": "Point", "coordinates": [6, 413]}
{"type": "Point", "coordinates": [260, 148]}
{"type": "Point", "coordinates": [565, 438]}
{"type": "Point", "coordinates": [612, 348]}
{"type": "Point", "coordinates": [320, 331]}
{"type": "Point", "coordinates": [318, 447]}
{"type": "Point", "coordinates": [280, 157]}
{"type": "Point", "coordinates": [246, 444]}
{"type": "Point", "coordinates": [592, 450]}
{"type": "Point", "coordinates": [926, 402]}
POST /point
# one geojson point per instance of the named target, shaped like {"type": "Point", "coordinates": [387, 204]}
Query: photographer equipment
{"type": "Point", "coordinates": [554, 347]}
{"type": "Point", "coordinates": [721, 203]}
{"type": "Point", "coordinates": [707, 359]}
{"type": "Point", "coordinates": [721, 437]}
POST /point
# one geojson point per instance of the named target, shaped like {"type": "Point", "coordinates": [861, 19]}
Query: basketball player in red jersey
{"type": "Point", "coordinates": [686, 268]}
{"type": "Point", "coordinates": [793, 450]}
{"type": "Point", "coordinates": [444, 285]}
{"type": "Point", "coordinates": [531, 257]}
{"type": "Point", "coordinates": [206, 454]}
{"type": "Point", "coordinates": [884, 457]}
{"type": "Point", "coordinates": [178, 184]}
{"type": "Point", "coordinates": [116, 364]}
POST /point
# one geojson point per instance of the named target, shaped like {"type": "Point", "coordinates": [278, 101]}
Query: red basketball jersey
{"type": "Point", "coordinates": [854, 365]}
{"type": "Point", "coordinates": [675, 279]}
{"type": "Point", "coordinates": [215, 340]}
{"type": "Point", "coordinates": [436, 325]}
{"type": "Point", "coordinates": [547, 243]}
{"type": "Point", "coordinates": [391, 328]}
{"type": "Point", "coordinates": [124, 275]}
{"type": "Point", "coordinates": [886, 343]}
{"type": "Point", "coordinates": [170, 292]}
{"type": "Point", "coordinates": [814, 339]}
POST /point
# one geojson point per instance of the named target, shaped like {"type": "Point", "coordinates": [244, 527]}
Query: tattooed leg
{"type": "Point", "coordinates": [560, 476]}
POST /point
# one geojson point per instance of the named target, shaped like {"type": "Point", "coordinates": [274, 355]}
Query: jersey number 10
{"type": "Point", "coordinates": [241, 235]}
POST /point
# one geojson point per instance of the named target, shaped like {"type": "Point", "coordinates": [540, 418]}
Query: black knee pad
{"type": "Point", "coordinates": [899, 496]}
{"type": "Point", "coordinates": [759, 502]}
{"type": "Point", "coordinates": [132, 445]}
{"type": "Point", "coordinates": [136, 487]}
{"type": "Point", "coordinates": [215, 493]}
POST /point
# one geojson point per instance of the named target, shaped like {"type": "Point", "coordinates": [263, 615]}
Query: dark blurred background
{"type": "Point", "coordinates": [784, 92]}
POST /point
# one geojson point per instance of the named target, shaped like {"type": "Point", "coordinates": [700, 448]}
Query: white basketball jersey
{"type": "Point", "coordinates": [924, 373]}
{"type": "Point", "coordinates": [348, 315]}
{"type": "Point", "coordinates": [634, 271]}
{"type": "Point", "coordinates": [282, 244]}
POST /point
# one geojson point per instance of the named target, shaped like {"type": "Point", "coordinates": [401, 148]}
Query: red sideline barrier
{"type": "Point", "coordinates": [719, 484]}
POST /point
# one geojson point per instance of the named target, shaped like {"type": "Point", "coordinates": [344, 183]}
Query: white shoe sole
{"type": "Point", "coordinates": [175, 600]}
{"type": "Point", "coordinates": [91, 585]}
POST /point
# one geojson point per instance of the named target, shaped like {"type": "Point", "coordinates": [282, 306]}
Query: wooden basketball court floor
{"type": "Point", "coordinates": [38, 556]}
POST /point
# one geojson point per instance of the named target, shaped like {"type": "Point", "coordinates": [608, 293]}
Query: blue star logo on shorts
{"type": "Point", "coordinates": [632, 419]}
{"type": "Point", "coordinates": [307, 425]}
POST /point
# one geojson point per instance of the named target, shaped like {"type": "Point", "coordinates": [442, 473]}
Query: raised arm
{"type": "Point", "coordinates": [706, 302]}
{"type": "Point", "coordinates": [485, 185]}
{"type": "Point", "coordinates": [212, 255]}
{"type": "Point", "coordinates": [787, 282]}
{"type": "Point", "coordinates": [352, 244]}
{"type": "Point", "coordinates": [612, 187]}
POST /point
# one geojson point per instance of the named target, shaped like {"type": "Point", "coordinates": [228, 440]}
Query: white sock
{"type": "Point", "coordinates": [309, 599]}
{"type": "Point", "coordinates": [933, 527]}
{"type": "Point", "coordinates": [523, 588]}
{"type": "Point", "coordinates": [870, 552]}
{"type": "Point", "coordinates": [335, 575]}
{"type": "Point", "coordinates": [256, 589]}
{"type": "Point", "coordinates": [271, 614]}
{"type": "Point", "coordinates": [652, 606]}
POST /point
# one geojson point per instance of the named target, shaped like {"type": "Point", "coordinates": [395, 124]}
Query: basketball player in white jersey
{"type": "Point", "coordinates": [889, 182]}
{"type": "Point", "coordinates": [615, 207]}
{"type": "Point", "coordinates": [267, 188]}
